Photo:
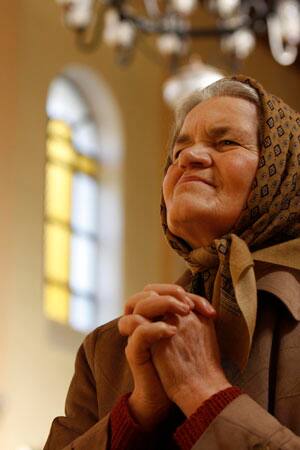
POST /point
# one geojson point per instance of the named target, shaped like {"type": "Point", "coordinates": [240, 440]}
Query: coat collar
{"type": "Point", "coordinates": [281, 281]}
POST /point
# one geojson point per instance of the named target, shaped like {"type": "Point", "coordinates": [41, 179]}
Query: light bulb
{"type": "Point", "coordinates": [117, 32]}
{"type": "Point", "coordinates": [110, 29]}
{"type": "Point", "coordinates": [193, 76]}
{"type": "Point", "coordinates": [284, 54]}
{"type": "Point", "coordinates": [289, 15]}
{"type": "Point", "coordinates": [241, 43]}
{"type": "Point", "coordinates": [170, 43]}
{"type": "Point", "coordinates": [227, 7]}
{"type": "Point", "coordinates": [126, 34]}
{"type": "Point", "coordinates": [184, 6]}
{"type": "Point", "coordinates": [78, 13]}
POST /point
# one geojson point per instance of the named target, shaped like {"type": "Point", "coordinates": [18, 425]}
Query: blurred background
{"type": "Point", "coordinates": [87, 92]}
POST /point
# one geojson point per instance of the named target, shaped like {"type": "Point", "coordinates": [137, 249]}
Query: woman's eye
{"type": "Point", "coordinates": [228, 142]}
{"type": "Point", "coordinates": [176, 154]}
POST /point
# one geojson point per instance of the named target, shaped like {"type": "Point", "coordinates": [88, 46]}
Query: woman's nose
{"type": "Point", "coordinates": [194, 156]}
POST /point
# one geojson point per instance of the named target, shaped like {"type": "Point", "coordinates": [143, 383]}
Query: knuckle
{"type": "Point", "coordinates": [179, 289]}
{"type": "Point", "coordinates": [147, 287]}
{"type": "Point", "coordinates": [140, 307]}
{"type": "Point", "coordinates": [121, 323]}
{"type": "Point", "coordinates": [174, 301]}
{"type": "Point", "coordinates": [127, 309]}
{"type": "Point", "coordinates": [128, 352]}
{"type": "Point", "coordinates": [141, 330]}
{"type": "Point", "coordinates": [152, 292]}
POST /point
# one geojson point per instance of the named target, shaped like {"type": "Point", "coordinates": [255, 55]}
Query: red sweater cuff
{"type": "Point", "coordinates": [191, 430]}
{"type": "Point", "coordinates": [125, 432]}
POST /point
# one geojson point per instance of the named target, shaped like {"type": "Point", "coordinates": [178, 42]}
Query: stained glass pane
{"type": "Point", "coordinates": [58, 193]}
{"type": "Point", "coordinates": [61, 150]}
{"type": "Point", "coordinates": [59, 129]}
{"type": "Point", "coordinates": [57, 250]}
{"type": "Point", "coordinates": [86, 139]}
{"type": "Point", "coordinates": [110, 221]}
{"type": "Point", "coordinates": [82, 313]}
{"type": "Point", "coordinates": [65, 102]}
{"type": "Point", "coordinates": [83, 270]}
{"type": "Point", "coordinates": [85, 204]}
{"type": "Point", "coordinates": [108, 273]}
{"type": "Point", "coordinates": [56, 303]}
{"type": "Point", "coordinates": [87, 165]}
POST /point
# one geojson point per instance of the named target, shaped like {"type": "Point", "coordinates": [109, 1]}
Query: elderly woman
{"type": "Point", "coordinates": [213, 361]}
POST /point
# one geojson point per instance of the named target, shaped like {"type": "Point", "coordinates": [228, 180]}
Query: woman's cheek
{"type": "Point", "coordinates": [169, 183]}
{"type": "Point", "coordinates": [241, 169]}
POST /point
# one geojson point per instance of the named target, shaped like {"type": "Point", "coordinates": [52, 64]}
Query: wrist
{"type": "Point", "coordinates": [190, 398]}
{"type": "Point", "coordinates": [146, 413]}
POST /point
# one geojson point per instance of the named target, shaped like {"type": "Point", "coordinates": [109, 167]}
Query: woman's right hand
{"type": "Point", "coordinates": [143, 324]}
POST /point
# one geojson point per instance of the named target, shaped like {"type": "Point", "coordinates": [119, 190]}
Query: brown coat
{"type": "Point", "coordinates": [266, 417]}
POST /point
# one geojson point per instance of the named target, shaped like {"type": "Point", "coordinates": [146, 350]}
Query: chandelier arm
{"type": "Point", "coordinates": [236, 26]}
{"type": "Point", "coordinates": [93, 42]}
{"type": "Point", "coordinates": [149, 27]}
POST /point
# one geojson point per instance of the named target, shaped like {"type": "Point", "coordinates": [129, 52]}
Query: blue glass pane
{"type": "Point", "coordinates": [109, 282]}
{"type": "Point", "coordinates": [110, 220]}
{"type": "Point", "coordinates": [83, 270]}
{"type": "Point", "coordinates": [86, 139]}
{"type": "Point", "coordinates": [85, 204]}
{"type": "Point", "coordinates": [82, 314]}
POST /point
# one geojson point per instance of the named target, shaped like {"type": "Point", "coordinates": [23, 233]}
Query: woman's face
{"type": "Point", "coordinates": [215, 158]}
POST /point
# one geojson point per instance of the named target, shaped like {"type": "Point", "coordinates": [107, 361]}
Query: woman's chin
{"type": "Point", "coordinates": [186, 208]}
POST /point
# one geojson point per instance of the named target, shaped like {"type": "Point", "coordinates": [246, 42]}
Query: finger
{"type": "Point", "coordinates": [170, 289]}
{"type": "Point", "coordinates": [128, 323]}
{"type": "Point", "coordinates": [202, 305]}
{"type": "Point", "coordinates": [159, 305]}
{"type": "Point", "coordinates": [139, 343]}
{"type": "Point", "coordinates": [134, 299]}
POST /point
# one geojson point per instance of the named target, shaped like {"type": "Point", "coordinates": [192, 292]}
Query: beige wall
{"type": "Point", "coordinates": [37, 358]}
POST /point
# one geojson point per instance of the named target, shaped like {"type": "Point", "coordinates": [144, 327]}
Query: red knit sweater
{"type": "Point", "coordinates": [176, 432]}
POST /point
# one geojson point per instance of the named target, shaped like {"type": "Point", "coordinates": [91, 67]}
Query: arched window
{"type": "Point", "coordinates": [83, 208]}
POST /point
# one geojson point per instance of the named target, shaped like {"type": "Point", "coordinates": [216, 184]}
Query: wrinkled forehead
{"type": "Point", "coordinates": [221, 106]}
{"type": "Point", "coordinates": [217, 117]}
{"type": "Point", "coordinates": [221, 113]}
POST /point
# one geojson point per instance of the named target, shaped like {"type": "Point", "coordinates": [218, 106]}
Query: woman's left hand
{"type": "Point", "coordinates": [188, 364]}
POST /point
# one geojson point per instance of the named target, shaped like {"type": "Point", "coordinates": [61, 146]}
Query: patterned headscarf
{"type": "Point", "coordinates": [268, 230]}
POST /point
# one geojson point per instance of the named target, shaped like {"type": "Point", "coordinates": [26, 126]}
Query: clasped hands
{"type": "Point", "coordinates": [172, 352]}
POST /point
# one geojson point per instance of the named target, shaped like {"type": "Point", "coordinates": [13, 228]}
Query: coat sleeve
{"type": "Point", "coordinates": [80, 428]}
{"type": "Point", "coordinates": [245, 425]}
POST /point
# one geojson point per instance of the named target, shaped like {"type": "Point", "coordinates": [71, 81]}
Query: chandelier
{"type": "Point", "coordinates": [173, 23]}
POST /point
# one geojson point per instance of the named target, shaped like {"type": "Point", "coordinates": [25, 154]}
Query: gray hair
{"type": "Point", "coordinates": [221, 88]}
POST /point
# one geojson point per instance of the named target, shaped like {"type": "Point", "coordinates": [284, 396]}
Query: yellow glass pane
{"type": "Point", "coordinates": [59, 128]}
{"type": "Point", "coordinates": [87, 165]}
{"type": "Point", "coordinates": [61, 150]}
{"type": "Point", "coordinates": [56, 303]}
{"type": "Point", "coordinates": [58, 192]}
{"type": "Point", "coordinates": [57, 252]}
